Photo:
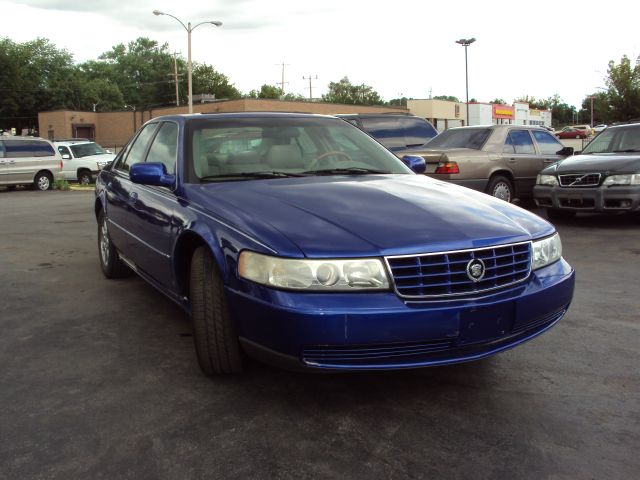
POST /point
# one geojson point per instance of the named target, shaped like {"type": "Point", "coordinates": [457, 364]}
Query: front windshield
{"type": "Point", "coordinates": [461, 138]}
{"type": "Point", "coordinates": [615, 140]}
{"type": "Point", "coordinates": [234, 148]}
{"type": "Point", "coordinates": [86, 149]}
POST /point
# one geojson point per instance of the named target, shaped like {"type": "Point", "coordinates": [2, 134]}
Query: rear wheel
{"type": "Point", "coordinates": [557, 214]}
{"type": "Point", "coordinates": [216, 341]}
{"type": "Point", "coordinates": [112, 266]}
{"type": "Point", "coordinates": [43, 181]}
{"type": "Point", "coordinates": [500, 187]}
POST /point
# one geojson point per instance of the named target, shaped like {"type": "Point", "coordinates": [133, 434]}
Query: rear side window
{"type": "Point", "coordinates": [42, 149]}
{"type": "Point", "coordinates": [1, 149]}
{"type": "Point", "coordinates": [18, 149]}
{"type": "Point", "coordinates": [521, 142]}
{"type": "Point", "coordinates": [547, 143]}
{"type": "Point", "coordinates": [164, 148]}
{"type": "Point", "coordinates": [416, 131]}
{"type": "Point", "coordinates": [386, 130]}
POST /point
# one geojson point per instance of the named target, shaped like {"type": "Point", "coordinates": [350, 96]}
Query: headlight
{"type": "Point", "coordinates": [549, 180]}
{"type": "Point", "coordinates": [630, 179]}
{"type": "Point", "coordinates": [336, 275]}
{"type": "Point", "coordinates": [546, 251]}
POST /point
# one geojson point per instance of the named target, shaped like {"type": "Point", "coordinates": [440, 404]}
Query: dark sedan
{"type": "Point", "coordinates": [605, 177]}
{"type": "Point", "coordinates": [300, 240]}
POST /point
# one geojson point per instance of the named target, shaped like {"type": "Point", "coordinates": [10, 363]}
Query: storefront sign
{"type": "Point", "coordinates": [502, 111]}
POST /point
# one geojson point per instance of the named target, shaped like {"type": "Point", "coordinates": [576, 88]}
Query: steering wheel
{"type": "Point", "coordinates": [316, 161]}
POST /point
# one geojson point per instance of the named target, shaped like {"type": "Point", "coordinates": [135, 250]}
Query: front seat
{"type": "Point", "coordinates": [284, 157]}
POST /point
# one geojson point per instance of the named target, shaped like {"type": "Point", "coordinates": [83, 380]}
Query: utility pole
{"type": "Point", "coordinates": [175, 76]}
{"type": "Point", "coordinates": [310, 78]}
{"type": "Point", "coordinates": [282, 83]}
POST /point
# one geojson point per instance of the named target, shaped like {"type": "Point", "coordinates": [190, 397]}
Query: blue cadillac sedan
{"type": "Point", "coordinates": [299, 240]}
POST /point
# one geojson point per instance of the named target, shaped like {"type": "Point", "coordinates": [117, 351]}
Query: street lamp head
{"type": "Point", "coordinates": [158, 12]}
{"type": "Point", "coordinates": [465, 42]}
{"type": "Point", "coordinates": [216, 23]}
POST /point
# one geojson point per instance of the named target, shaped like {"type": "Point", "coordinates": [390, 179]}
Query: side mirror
{"type": "Point", "coordinates": [566, 151]}
{"type": "Point", "coordinates": [66, 156]}
{"type": "Point", "coordinates": [415, 163]}
{"type": "Point", "coordinates": [148, 173]}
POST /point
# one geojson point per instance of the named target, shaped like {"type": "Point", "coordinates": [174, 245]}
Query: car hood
{"type": "Point", "coordinates": [366, 215]}
{"type": "Point", "coordinates": [604, 162]}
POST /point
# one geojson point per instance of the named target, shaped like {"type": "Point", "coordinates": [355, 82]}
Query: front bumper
{"type": "Point", "coordinates": [615, 198]}
{"type": "Point", "coordinates": [382, 331]}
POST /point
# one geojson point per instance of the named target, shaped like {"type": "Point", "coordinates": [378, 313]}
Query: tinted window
{"type": "Point", "coordinates": [18, 149]}
{"type": "Point", "coordinates": [42, 149]}
{"type": "Point", "coordinates": [466, 137]}
{"type": "Point", "coordinates": [386, 130]}
{"type": "Point", "coordinates": [164, 148]}
{"type": "Point", "coordinates": [547, 143]}
{"type": "Point", "coordinates": [522, 142]}
{"type": "Point", "coordinates": [417, 131]}
{"type": "Point", "coordinates": [64, 150]}
{"type": "Point", "coordinates": [136, 152]}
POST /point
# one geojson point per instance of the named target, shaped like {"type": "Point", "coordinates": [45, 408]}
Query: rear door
{"type": "Point", "coordinates": [521, 156]}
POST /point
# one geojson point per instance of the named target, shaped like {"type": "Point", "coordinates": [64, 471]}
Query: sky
{"type": "Point", "coordinates": [399, 47]}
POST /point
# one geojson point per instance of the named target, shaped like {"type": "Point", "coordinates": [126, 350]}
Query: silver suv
{"type": "Point", "coordinates": [28, 161]}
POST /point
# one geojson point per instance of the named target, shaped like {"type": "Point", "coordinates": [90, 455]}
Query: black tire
{"type": "Point", "coordinates": [501, 187]}
{"type": "Point", "coordinates": [84, 177]}
{"type": "Point", "coordinates": [43, 181]}
{"type": "Point", "coordinates": [214, 334]}
{"type": "Point", "coordinates": [110, 262]}
{"type": "Point", "coordinates": [557, 214]}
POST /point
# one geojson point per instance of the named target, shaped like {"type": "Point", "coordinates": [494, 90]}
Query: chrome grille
{"type": "Point", "coordinates": [580, 180]}
{"type": "Point", "coordinates": [445, 273]}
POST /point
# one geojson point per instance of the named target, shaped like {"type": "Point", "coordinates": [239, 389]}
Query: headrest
{"type": "Point", "coordinates": [284, 156]}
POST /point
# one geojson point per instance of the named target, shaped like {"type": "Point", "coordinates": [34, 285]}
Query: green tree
{"type": "Point", "coordinates": [623, 84]}
{"type": "Point", "coordinates": [270, 92]}
{"type": "Point", "coordinates": [449, 98]}
{"type": "Point", "coordinates": [498, 101]}
{"type": "Point", "coordinates": [344, 91]}
{"type": "Point", "coordinates": [208, 80]}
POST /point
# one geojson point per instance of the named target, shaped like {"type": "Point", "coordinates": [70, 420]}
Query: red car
{"type": "Point", "coordinates": [571, 132]}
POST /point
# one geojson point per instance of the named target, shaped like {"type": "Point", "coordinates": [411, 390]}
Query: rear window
{"type": "Point", "coordinates": [465, 137]}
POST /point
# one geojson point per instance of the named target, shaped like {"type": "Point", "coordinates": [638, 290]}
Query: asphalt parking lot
{"type": "Point", "coordinates": [98, 379]}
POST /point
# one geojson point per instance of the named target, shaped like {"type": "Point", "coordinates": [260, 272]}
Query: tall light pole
{"type": "Point", "coordinates": [465, 42]}
{"type": "Point", "coordinates": [189, 29]}
{"type": "Point", "coordinates": [591, 98]}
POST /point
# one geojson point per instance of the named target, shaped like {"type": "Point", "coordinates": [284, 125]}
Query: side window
{"type": "Point", "coordinates": [18, 149]}
{"type": "Point", "coordinates": [1, 149]}
{"type": "Point", "coordinates": [386, 130]}
{"type": "Point", "coordinates": [164, 148]}
{"type": "Point", "coordinates": [522, 141]}
{"type": "Point", "coordinates": [508, 145]}
{"type": "Point", "coordinates": [136, 151]}
{"type": "Point", "coordinates": [547, 143]}
{"type": "Point", "coordinates": [417, 131]}
{"type": "Point", "coordinates": [64, 151]}
{"type": "Point", "coordinates": [42, 149]}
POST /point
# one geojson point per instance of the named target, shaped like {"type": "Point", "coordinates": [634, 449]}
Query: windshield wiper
{"type": "Point", "coordinates": [270, 174]}
{"type": "Point", "coordinates": [628, 150]}
{"type": "Point", "coordinates": [345, 171]}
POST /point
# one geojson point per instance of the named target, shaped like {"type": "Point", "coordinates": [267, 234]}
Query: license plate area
{"type": "Point", "coordinates": [483, 324]}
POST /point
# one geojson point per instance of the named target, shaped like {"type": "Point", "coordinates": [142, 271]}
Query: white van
{"type": "Point", "coordinates": [28, 161]}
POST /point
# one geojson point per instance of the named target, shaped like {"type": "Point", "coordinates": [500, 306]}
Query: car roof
{"type": "Point", "coordinates": [203, 116]}
{"type": "Point", "coordinates": [19, 137]}
{"type": "Point", "coordinates": [72, 142]}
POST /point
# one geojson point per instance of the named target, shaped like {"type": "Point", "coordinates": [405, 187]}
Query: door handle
{"type": "Point", "coordinates": [12, 161]}
{"type": "Point", "coordinates": [549, 160]}
{"type": "Point", "coordinates": [511, 160]}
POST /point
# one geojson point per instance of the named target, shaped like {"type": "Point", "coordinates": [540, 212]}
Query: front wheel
{"type": "Point", "coordinates": [216, 341]}
{"type": "Point", "coordinates": [84, 177]}
{"type": "Point", "coordinates": [110, 262]}
{"type": "Point", "coordinates": [500, 187]}
{"type": "Point", "coordinates": [43, 181]}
